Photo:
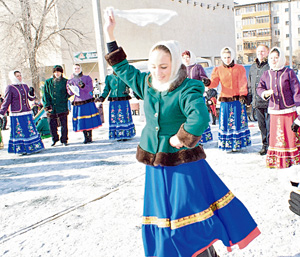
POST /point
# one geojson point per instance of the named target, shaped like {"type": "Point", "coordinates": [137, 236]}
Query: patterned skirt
{"type": "Point", "coordinates": [284, 145]}
{"type": "Point", "coordinates": [86, 117]}
{"type": "Point", "coordinates": [234, 133]}
{"type": "Point", "coordinates": [24, 137]}
{"type": "Point", "coordinates": [187, 208]}
{"type": "Point", "coordinates": [206, 136]}
{"type": "Point", "coordinates": [120, 120]}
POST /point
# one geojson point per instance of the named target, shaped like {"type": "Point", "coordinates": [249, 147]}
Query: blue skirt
{"type": "Point", "coordinates": [24, 137]}
{"type": "Point", "coordinates": [187, 208]}
{"type": "Point", "coordinates": [234, 133]}
{"type": "Point", "coordinates": [86, 117]}
{"type": "Point", "coordinates": [206, 136]}
{"type": "Point", "coordinates": [120, 120]}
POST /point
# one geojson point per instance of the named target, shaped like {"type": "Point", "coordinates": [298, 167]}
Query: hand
{"type": "Point", "coordinates": [295, 127]}
{"type": "Point", "coordinates": [268, 93]}
{"type": "Point", "coordinates": [31, 91]}
{"type": "Point", "coordinates": [109, 24]}
{"type": "Point", "coordinates": [174, 141]}
{"type": "Point", "coordinates": [81, 84]}
{"type": "Point", "coordinates": [295, 203]}
{"type": "Point", "coordinates": [242, 100]}
{"type": "Point", "coordinates": [209, 102]}
{"type": "Point", "coordinates": [206, 81]}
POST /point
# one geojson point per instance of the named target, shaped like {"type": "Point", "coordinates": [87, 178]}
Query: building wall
{"type": "Point", "coordinates": [201, 26]}
{"type": "Point", "coordinates": [197, 28]}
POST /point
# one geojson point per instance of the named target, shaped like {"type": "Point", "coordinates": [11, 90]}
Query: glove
{"type": "Point", "coordinates": [294, 127]}
{"type": "Point", "coordinates": [242, 99]}
{"type": "Point", "coordinates": [1, 122]}
{"type": "Point", "coordinates": [295, 203]}
{"type": "Point", "coordinates": [206, 81]}
{"type": "Point", "coordinates": [31, 91]}
{"type": "Point", "coordinates": [81, 84]}
{"type": "Point", "coordinates": [100, 99]}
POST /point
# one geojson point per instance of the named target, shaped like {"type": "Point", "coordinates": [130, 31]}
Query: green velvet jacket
{"type": "Point", "coordinates": [115, 88]}
{"type": "Point", "coordinates": [181, 110]}
{"type": "Point", "coordinates": [56, 96]}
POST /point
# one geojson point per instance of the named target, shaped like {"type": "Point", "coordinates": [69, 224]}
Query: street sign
{"type": "Point", "coordinates": [81, 56]}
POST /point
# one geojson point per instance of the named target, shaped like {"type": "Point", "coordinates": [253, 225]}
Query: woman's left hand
{"type": "Point", "coordinates": [174, 141]}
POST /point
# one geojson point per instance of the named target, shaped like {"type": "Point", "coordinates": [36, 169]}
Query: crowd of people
{"type": "Point", "coordinates": [187, 207]}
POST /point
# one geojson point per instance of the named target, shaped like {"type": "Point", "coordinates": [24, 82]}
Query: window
{"type": "Point", "coordinates": [237, 12]}
{"type": "Point", "coordinates": [276, 20]}
{"type": "Point", "coordinates": [275, 7]}
{"type": "Point", "coordinates": [277, 32]}
{"type": "Point", "coordinates": [249, 33]}
{"type": "Point", "coordinates": [248, 21]}
{"type": "Point", "coordinates": [287, 48]}
{"type": "Point", "coordinates": [238, 35]}
{"type": "Point", "coordinates": [248, 9]}
{"type": "Point", "coordinates": [262, 7]}
{"type": "Point", "coordinates": [286, 9]}
{"type": "Point", "coordinates": [287, 35]}
{"type": "Point", "coordinates": [240, 47]}
{"type": "Point", "coordinates": [277, 44]}
{"type": "Point", "coordinates": [263, 32]}
{"type": "Point", "coordinates": [298, 30]}
{"type": "Point", "coordinates": [298, 43]}
{"type": "Point", "coordinates": [287, 22]}
{"type": "Point", "coordinates": [262, 19]}
{"type": "Point", "coordinates": [250, 58]}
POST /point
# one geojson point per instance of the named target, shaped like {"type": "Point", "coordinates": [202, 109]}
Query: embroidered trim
{"type": "Point", "coordinates": [86, 117]}
{"type": "Point", "coordinates": [197, 217]}
{"type": "Point", "coordinates": [20, 113]}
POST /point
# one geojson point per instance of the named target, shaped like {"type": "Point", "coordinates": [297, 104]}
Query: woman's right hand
{"type": "Point", "coordinates": [109, 24]}
{"type": "Point", "coordinates": [268, 93]}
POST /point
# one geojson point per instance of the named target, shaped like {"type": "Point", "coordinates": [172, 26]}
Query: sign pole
{"type": "Point", "coordinates": [100, 41]}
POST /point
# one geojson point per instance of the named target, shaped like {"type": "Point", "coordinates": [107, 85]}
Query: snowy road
{"type": "Point", "coordinates": [49, 202]}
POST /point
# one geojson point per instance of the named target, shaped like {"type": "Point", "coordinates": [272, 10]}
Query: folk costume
{"type": "Point", "coordinates": [24, 138]}
{"type": "Point", "coordinates": [284, 110]}
{"type": "Point", "coordinates": [85, 114]}
{"type": "Point", "coordinates": [121, 126]}
{"type": "Point", "coordinates": [186, 205]}
{"type": "Point", "coordinates": [234, 133]}
{"type": "Point", "coordinates": [196, 71]}
{"type": "Point", "coordinates": [55, 102]}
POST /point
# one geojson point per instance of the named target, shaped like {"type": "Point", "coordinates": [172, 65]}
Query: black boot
{"type": "Point", "coordinates": [86, 140]}
{"type": "Point", "coordinates": [90, 136]}
{"type": "Point", "coordinates": [263, 150]}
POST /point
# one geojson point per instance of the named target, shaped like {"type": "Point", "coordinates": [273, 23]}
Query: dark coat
{"type": "Point", "coordinates": [255, 73]}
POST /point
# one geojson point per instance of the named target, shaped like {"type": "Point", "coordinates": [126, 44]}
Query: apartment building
{"type": "Point", "coordinates": [267, 23]}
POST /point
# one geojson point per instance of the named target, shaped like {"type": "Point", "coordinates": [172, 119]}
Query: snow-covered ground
{"type": "Point", "coordinates": [86, 200]}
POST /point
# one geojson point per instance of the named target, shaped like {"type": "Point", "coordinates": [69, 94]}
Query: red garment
{"type": "Point", "coordinates": [284, 146]}
{"type": "Point", "coordinates": [213, 107]}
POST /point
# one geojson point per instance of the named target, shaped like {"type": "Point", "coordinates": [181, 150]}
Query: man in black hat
{"type": "Point", "coordinates": [55, 101]}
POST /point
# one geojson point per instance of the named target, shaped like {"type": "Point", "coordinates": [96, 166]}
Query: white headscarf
{"type": "Point", "coordinates": [231, 51]}
{"type": "Point", "coordinates": [281, 61]}
{"type": "Point", "coordinates": [13, 78]}
{"type": "Point", "coordinates": [76, 65]}
{"type": "Point", "coordinates": [176, 62]}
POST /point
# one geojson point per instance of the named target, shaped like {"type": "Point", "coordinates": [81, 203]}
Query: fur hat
{"type": "Point", "coordinates": [57, 68]}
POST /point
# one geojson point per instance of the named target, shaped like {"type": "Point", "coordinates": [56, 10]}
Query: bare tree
{"type": "Point", "coordinates": [31, 27]}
